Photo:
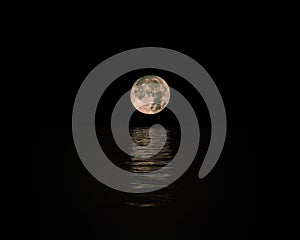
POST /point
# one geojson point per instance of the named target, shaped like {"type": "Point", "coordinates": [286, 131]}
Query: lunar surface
{"type": "Point", "coordinates": [150, 94]}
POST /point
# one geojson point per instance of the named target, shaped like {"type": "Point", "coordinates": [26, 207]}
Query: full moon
{"type": "Point", "coordinates": [150, 94]}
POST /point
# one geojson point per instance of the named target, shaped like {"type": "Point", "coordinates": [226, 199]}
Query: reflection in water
{"type": "Point", "coordinates": [150, 200]}
{"type": "Point", "coordinates": [148, 163]}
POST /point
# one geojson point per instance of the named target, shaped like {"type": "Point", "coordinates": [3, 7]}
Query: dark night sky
{"type": "Point", "coordinates": [250, 52]}
{"type": "Point", "coordinates": [223, 204]}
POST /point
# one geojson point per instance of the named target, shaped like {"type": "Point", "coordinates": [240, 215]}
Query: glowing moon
{"type": "Point", "coordinates": [150, 94]}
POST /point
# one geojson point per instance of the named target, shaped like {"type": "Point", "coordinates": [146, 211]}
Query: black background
{"type": "Point", "coordinates": [223, 205]}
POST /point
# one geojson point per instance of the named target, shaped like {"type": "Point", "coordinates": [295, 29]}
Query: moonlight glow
{"type": "Point", "coordinates": [150, 94]}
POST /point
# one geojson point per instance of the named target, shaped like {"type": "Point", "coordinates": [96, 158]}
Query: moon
{"type": "Point", "coordinates": [150, 94]}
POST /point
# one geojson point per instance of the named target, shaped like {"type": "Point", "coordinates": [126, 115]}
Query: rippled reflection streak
{"type": "Point", "coordinates": [148, 163]}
